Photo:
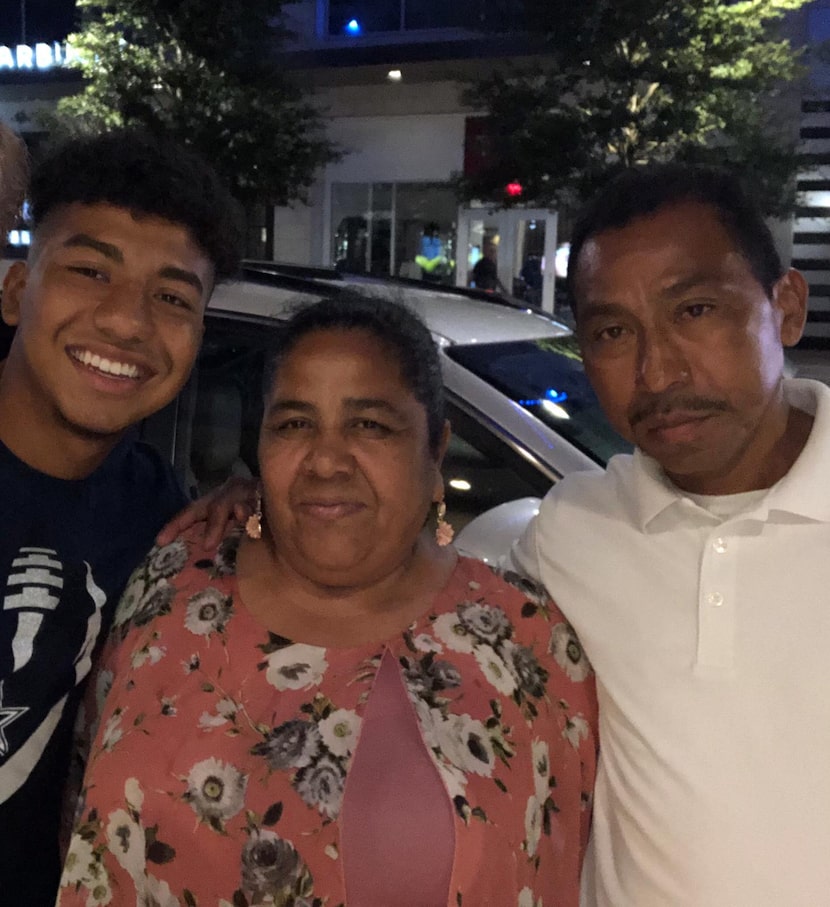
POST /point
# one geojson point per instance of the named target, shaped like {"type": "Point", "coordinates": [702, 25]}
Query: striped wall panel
{"type": "Point", "coordinates": [811, 224]}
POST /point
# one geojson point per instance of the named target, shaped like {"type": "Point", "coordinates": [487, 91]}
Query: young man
{"type": "Point", "coordinates": [695, 571]}
{"type": "Point", "coordinates": [129, 236]}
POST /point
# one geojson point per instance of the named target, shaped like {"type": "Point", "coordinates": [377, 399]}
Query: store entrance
{"type": "Point", "coordinates": [508, 251]}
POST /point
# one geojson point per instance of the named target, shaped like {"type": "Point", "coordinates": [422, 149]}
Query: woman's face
{"type": "Point", "coordinates": [347, 473]}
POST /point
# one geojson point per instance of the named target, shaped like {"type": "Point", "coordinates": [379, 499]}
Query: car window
{"type": "Point", "coordinates": [546, 378]}
{"type": "Point", "coordinates": [227, 407]}
{"type": "Point", "coordinates": [481, 470]}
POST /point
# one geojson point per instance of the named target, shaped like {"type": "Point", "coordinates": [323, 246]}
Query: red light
{"type": "Point", "coordinates": [514, 189]}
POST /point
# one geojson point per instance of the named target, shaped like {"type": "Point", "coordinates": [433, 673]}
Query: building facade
{"type": "Point", "coordinates": [389, 76]}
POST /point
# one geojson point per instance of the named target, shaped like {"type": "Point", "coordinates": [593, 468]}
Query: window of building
{"type": "Point", "coordinates": [395, 229]}
{"type": "Point", "coordinates": [362, 222]}
{"type": "Point", "coordinates": [259, 232]}
{"type": "Point", "coordinates": [357, 17]}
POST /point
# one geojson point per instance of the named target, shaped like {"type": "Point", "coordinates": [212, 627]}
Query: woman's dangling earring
{"type": "Point", "coordinates": [253, 525]}
{"type": "Point", "coordinates": [443, 530]}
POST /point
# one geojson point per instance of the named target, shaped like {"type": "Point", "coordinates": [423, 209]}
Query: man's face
{"type": "Point", "coordinates": [683, 346]}
{"type": "Point", "coordinates": [109, 316]}
{"type": "Point", "coordinates": [347, 470]}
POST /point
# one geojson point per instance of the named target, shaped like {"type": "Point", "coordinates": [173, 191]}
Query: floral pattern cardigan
{"type": "Point", "coordinates": [222, 751]}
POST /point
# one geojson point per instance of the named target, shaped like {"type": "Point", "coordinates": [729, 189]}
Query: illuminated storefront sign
{"type": "Point", "coordinates": [38, 56]}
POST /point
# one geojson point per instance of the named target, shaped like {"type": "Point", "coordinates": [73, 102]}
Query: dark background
{"type": "Point", "coordinates": [46, 20]}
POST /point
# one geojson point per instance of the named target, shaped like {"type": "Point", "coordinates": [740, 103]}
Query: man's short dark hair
{"type": "Point", "coordinates": [147, 175]}
{"type": "Point", "coordinates": [642, 191]}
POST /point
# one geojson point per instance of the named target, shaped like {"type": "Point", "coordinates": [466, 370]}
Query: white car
{"type": "Point", "coordinates": [522, 412]}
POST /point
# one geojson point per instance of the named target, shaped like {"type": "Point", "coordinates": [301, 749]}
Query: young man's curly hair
{"type": "Point", "coordinates": [14, 177]}
{"type": "Point", "coordinates": [147, 175]}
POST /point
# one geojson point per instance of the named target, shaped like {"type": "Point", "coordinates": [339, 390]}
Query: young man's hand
{"type": "Point", "coordinates": [233, 501]}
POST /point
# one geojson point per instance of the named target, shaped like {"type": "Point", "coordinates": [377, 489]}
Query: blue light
{"type": "Point", "coordinates": [551, 396]}
{"type": "Point", "coordinates": [555, 396]}
{"type": "Point", "coordinates": [353, 27]}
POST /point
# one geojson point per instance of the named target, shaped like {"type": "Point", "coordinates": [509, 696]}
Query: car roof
{"type": "Point", "coordinates": [453, 317]}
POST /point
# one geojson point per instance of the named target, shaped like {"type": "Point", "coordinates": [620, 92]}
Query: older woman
{"type": "Point", "coordinates": [338, 709]}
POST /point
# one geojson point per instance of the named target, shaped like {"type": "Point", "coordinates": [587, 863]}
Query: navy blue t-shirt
{"type": "Point", "coordinates": [67, 549]}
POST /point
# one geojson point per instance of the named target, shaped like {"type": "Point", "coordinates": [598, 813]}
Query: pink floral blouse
{"type": "Point", "coordinates": [223, 751]}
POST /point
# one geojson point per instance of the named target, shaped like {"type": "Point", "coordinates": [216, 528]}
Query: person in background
{"type": "Point", "coordinates": [14, 177]}
{"type": "Point", "coordinates": [432, 257]}
{"type": "Point", "coordinates": [130, 234]}
{"type": "Point", "coordinates": [695, 571]}
{"type": "Point", "coordinates": [485, 274]}
{"type": "Point", "coordinates": [338, 708]}
{"type": "Point", "coordinates": [533, 279]}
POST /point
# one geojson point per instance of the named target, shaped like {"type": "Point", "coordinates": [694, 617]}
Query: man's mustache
{"type": "Point", "coordinates": [663, 404]}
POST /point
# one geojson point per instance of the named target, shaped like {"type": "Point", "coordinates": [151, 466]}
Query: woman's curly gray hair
{"type": "Point", "coordinates": [14, 178]}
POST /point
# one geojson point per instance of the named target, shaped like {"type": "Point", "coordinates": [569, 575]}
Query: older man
{"type": "Point", "coordinates": [695, 571]}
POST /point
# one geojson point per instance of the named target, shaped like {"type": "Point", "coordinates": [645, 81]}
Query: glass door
{"type": "Point", "coordinates": [511, 252]}
{"type": "Point", "coordinates": [480, 259]}
{"type": "Point", "coordinates": [533, 277]}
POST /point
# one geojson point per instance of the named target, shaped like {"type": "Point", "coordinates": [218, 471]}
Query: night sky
{"type": "Point", "coordinates": [46, 20]}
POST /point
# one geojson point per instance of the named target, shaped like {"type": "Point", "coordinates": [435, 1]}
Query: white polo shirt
{"type": "Point", "coordinates": [711, 644]}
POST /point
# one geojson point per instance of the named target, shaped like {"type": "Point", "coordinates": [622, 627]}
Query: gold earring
{"type": "Point", "coordinates": [253, 525]}
{"type": "Point", "coordinates": [443, 530]}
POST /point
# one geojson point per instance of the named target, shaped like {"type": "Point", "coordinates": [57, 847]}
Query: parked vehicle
{"type": "Point", "coordinates": [522, 412]}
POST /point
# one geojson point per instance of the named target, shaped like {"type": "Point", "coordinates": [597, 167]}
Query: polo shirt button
{"type": "Point", "coordinates": [715, 599]}
{"type": "Point", "coordinates": [720, 546]}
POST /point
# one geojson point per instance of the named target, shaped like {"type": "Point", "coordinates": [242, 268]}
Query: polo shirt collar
{"type": "Point", "coordinates": [804, 490]}
{"type": "Point", "coordinates": [656, 504]}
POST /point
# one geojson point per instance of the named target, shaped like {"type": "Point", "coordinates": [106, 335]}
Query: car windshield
{"type": "Point", "coordinates": [546, 377]}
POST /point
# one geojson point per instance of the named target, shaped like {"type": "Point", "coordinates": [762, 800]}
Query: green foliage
{"type": "Point", "coordinates": [205, 73]}
{"type": "Point", "coordinates": [627, 81]}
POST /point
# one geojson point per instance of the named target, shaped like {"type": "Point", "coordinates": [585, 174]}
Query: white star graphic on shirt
{"type": "Point", "coordinates": [8, 714]}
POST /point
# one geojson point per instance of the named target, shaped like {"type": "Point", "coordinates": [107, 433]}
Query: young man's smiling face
{"type": "Point", "coordinates": [109, 313]}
